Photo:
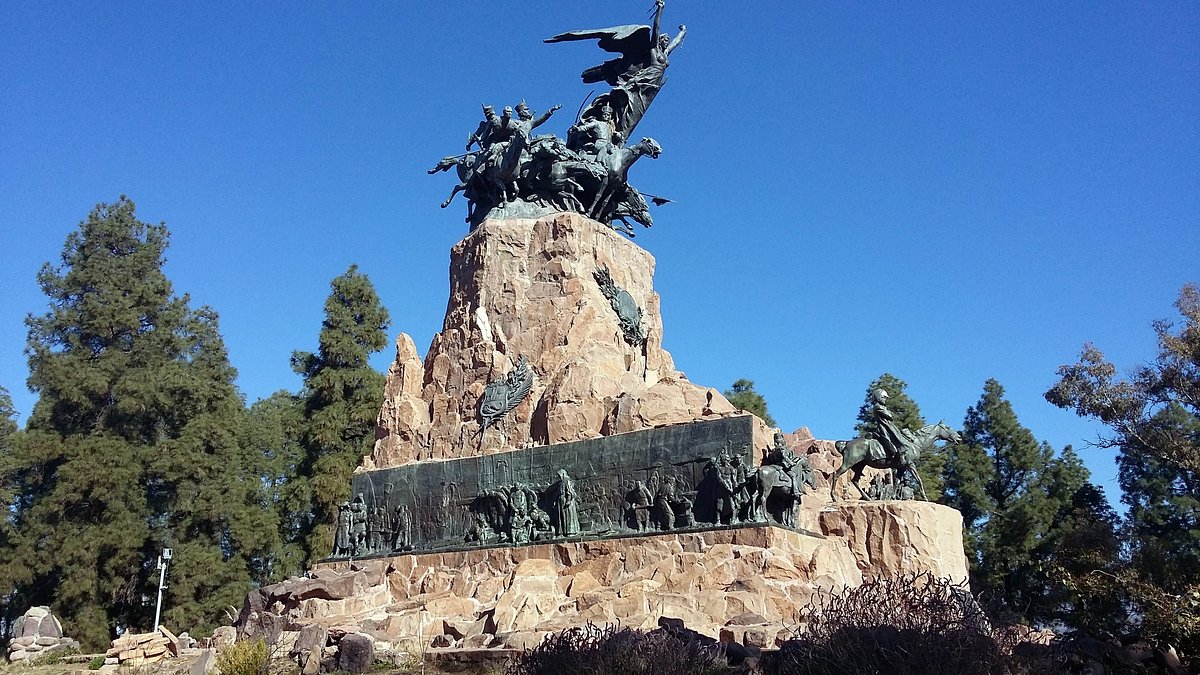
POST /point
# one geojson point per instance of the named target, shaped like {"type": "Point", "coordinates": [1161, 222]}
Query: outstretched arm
{"type": "Point", "coordinates": [678, 39]}
{"type": "Point", "coordinates": [543, 117]}
{"type": "Point", "coordinates": [658, 10]}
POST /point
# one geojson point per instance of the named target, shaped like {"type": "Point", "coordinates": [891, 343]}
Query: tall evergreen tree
{"type": "Point", "coordinates": [743, 397]}
{"type": "Point", "coordinates": [1154, 418]}
{"type": "Point", "coordinates": [271, 438]}
{"type": "Point", "coordinates": [1082, 539]}
{"type": "Point", "coordinates": [907, 415]}
{"type": "Point", "coordinates": [996, 479]}
{"type": "Point", "coordinates": [131, 444]}
{"type": "Point", "coordinates": [342, 395]}
{"type": "Point", "coordinates": [9, 506]}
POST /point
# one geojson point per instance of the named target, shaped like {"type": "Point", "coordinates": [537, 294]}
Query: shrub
{"type": "Point", "coordinates": [918, 625]}
{"type": "Point", "coordinates": [620, 651]}
{"type": "Point", "coordinates": [95, 663]}
{"type": "Point", "coordinates": [55, 657]}
{"type": "Point", "coordinates": [245, 657]}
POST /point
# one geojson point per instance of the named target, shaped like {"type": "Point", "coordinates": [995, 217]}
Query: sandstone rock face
{"type": "Point", "coordinates": [750, 580]}
{"type": "Point", "coordinates": [525, 287]}
{"type": "Point", "coordinates": [891, 538]}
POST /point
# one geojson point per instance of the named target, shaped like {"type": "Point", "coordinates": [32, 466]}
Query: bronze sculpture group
{"type": "Point", "coordinates": [892, 448]}
{"type": "Point", "coordinates": [518, 174]}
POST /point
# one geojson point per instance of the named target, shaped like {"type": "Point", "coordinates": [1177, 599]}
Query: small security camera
{"type": "Point", "coordinates": [166, 554]}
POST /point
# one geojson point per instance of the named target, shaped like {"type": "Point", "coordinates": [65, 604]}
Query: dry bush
{"type": "Point", "coordinates": [620, 651]}
{"type": "Point", "coordinates": [918, 625]}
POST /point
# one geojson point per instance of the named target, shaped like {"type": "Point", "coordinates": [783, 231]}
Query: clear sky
{"type": "Point", "coordinates": [945, 191]}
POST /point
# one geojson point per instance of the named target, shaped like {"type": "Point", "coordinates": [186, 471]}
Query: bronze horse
{"type": "Point", "coordinates": [863, 452]}
{"type": "Point", "coordinates": [789, 483]}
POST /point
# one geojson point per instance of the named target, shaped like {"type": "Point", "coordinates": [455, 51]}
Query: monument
{"type": "Point", "coordinates": [545, 464]}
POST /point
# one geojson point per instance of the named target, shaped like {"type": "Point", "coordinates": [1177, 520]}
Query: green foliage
{"type": "Point", "coordinates": [245, 657]}
{"type": "Point", "coordinates": [907, 415]}
{"type": "Point", "coordinates": [743, 397]}
{"type": "Point", "coordinates": [1154, 419]}
{"type": "Point", "coordinates": [271, 439]}
{"type": "Point", "coordinates": [56, 657]}
{"type": "Point", "coordinates": [10, 606]}
{"type": "Point", "coordinates": [341, 399]}
{"type": "Point", "coordinates": [132, 444]}
{"type": "Point", "coordinates": [96, 663]}
{"type": "Point", "coordinates": [1023, 509]}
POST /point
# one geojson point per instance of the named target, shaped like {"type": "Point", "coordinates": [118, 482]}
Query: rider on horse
{"type": "Point", "coordinates": [893, 439]}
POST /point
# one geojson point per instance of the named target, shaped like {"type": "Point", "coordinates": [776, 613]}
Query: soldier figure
{"type": "Point", "coordinates": [341, 539]}
{"type": "Point", "coordinates": [637, 506]}
{"type": "Point", "coordinates": [358, 525]}
{"type": "Point", "coordinates": [888, 434]}
{"type": "Point", "coordinates": [726, 476]}
{"type": "Point", "coordinates": [483, 134]}
{"type": "Point", "coordinates": [403, 524]}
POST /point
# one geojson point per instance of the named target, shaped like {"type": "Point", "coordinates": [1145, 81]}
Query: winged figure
{"type": "Point", "coordinates": [506, 393]}
{"type": "Point", "coordinates": [636, 75]}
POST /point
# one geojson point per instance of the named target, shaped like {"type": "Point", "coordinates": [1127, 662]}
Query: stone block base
{"type": "Point", "coordinates": [755, 578]}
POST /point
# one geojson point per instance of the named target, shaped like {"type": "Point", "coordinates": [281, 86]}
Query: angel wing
{"type": "Point", "coordinates": [632, 42]}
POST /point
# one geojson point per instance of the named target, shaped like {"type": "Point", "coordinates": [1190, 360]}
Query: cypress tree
{"type": "Point", "coordinates": [131, 444]}
{"type": "Point", "coordinates": [341, 398]}
{"type": "Point", "coordinates": [907, 415]}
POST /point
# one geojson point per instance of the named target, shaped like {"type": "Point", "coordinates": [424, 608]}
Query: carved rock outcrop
{"type": "Point", "coordinates": [527, 287]}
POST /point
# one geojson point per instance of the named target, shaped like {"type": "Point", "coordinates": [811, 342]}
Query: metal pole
{"type": "Point", "coordinates": [162, 575]}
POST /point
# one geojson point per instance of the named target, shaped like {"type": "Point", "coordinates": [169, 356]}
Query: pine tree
{"type": "Point", "coordinates": [9, 489]}
{"type": "Point", "coordinates": [1082, 540]}
{"type": "Point", "coordinates": [272, 437]}
{"type": "Point", "coordinates": [342, 395]}
{"type": "Point", "coordinates": [907, 415]}
{"type": "Point", "coordinates": [743, 397]}
{"type": "Point", "coordinates": [131, 444]}
{"type": "Point", "coordinates": [997, 481]}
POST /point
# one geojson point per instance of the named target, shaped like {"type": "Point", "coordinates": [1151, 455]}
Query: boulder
{"type": "Point", "coordinates": [309, 648]}
{"type": "Point", "coordinates": [206, 663]}
{"type": "Point", "coordinates": [356, 653]}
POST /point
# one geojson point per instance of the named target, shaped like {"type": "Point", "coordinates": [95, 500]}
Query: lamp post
{"type": "Point", "coordinates": [162, 577]}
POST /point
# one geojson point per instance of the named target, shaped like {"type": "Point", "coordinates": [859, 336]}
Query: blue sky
{"type": "Point", "coordinates": [946, 191]}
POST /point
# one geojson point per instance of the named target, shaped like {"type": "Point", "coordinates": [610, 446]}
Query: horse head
{"type": "Point", "coordinates": [944, 432]}
{"type": "Point", "coordinates": [648, 146]}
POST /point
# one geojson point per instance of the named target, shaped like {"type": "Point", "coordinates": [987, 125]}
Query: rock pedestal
{"type": "Point", "coordinates": [571, 300]}
{"type": "Point", "coordinates": [527, 287]}
{"type": "Point", "coordinates": [747, 580]}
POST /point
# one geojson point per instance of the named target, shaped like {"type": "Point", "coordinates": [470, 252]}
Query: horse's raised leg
{"type": "Point", "coordinates": [457, 189]}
